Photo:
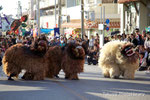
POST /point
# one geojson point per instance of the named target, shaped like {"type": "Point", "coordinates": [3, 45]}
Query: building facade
{"type": "Point", "coordinates": [47, 13]}
{"type": "Point", "coordinates": [134, 14]}
{"type": "Point", "coordinates": [71, 15]}
{"type": "Point", "coordinates": [92, 13]}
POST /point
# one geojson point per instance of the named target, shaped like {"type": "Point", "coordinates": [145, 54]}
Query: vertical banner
{"type": "Point", "coordinates": [56, 33]}
{"type": "Point", "coordinates": [0, 22]}
{"type": "Point", "coordinates": [47, 25]}
{"type": "Point", "coordinates": [6, 19]}
{"type": "Point", "coordinates": [35, 32]}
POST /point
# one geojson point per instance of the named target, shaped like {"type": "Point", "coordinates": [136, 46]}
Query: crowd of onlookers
{"type": "Point", "coordinates": [9, 40]}
{"type": "Point", "coordinates": [141, 41]}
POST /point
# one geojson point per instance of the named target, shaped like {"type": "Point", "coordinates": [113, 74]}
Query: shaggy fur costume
{"type": "Point", "coordinates": [73, 61]}
{"type": "Point", "coordinates": [54, 57]}
{"type": "Point", "coordinates": [69, 58]}
{"type": "Point", "coordinates": [19, 57]}
{"type": "Point", "coordinates": [118, 58]}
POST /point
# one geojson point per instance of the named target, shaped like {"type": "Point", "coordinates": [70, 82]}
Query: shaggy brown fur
{"type": "Point", "coordinates": [54, 57]}
{"type": "Point", "coordinates": [69, 58]}
{"type": "Point", "coordinates": [19, 57]}
{"type": "Point", "coordinates": [73, 61]}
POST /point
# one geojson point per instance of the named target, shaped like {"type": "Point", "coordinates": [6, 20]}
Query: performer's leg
{"type": "Point", "coordinates": [73, 76]}
{"type": "Point", "coordinates": [129, 74]}
{"type": "Point", "coordinates": [114, 72]}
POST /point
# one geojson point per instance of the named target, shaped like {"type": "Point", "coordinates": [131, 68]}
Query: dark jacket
{"type": "Point", "coordinates": [135, 42]}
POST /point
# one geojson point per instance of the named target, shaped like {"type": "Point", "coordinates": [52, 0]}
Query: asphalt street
{"type": "Point", "coordinates": [91, 86]}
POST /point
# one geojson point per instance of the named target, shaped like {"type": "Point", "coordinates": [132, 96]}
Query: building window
{"type": "Point", "coordinates": [78, 2]}
{"type": "Point", "coordinates": [71, 3]}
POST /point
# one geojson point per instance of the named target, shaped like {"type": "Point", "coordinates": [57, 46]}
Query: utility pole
{"type": "Point", "coordinates": [38, 16]}
{"type": "Point", "coordinates": [1, 18]}
{"type": "Point", "coordinates": [103, 23]}
{"type": "Point", "coordinates": [55, 15]}
{"type": "Point", "coordinates": [82, 18]}
{"type": "Point", "coordinates": [59, 15]}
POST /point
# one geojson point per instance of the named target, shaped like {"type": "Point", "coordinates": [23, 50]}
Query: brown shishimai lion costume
{"type": "Point", "coordinates": [29, 58]}
{"type": "Point", "coordinates": [70, 58]}
{"type": "Point", "coordinates": [118, 58]}
{"type": "Point", "coordinates": [54, 57]}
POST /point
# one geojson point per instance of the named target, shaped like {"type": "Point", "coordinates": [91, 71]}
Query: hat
{"type": "Point", "coordinates": [137, 29]}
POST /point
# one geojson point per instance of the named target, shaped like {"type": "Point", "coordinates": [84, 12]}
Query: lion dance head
{"type": "Point", "coordinates": [128, 52]}
{"type": "Point", "coordinates": [39, 47]}
{"type": "Point", "coordinates": [75, 51]}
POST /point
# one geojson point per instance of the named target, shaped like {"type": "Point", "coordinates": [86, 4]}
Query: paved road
{"type": "Point", "coordinates": [91, 86]}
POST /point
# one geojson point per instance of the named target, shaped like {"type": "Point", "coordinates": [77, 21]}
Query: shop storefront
{"type": "Point", "coordinates": [91, 27]}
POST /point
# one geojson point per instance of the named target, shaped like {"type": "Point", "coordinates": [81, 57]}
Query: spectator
{"type": "Point", "coordinates": [124, 37]}
{"type": "Point", "coordinates": [1, 56]}
{"type": "Point", "coordinates": [93, 55]}
{"type": "Point", "coordinates": [13, 40]}
{"type": "Point", "coordinates": [139, 37]}
{"type": "Point", "coordinates": [19, 40]}
{"type": "Point", "coordinates": [147, 54]}
{"type": "Point", "coordinates": [134, 40]}
{"type": "Point", "coordinates": [144, 35]}
{"type": "Point", "coordinates": [112, 38]}
{"type": "Point", "coordinates": [119, 37]}
{"type": "Point", "coordinates": [86, 39]}
{"type": "Point", "coordinates": [62, 43]}
{"type": "Point", "coordinates": [106, 39]}
{"type": "Point", "coordinates": [91, 42]}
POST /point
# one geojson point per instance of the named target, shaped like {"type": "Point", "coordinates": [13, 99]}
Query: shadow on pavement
{"type": "Point", "coordinates": [90, 89]}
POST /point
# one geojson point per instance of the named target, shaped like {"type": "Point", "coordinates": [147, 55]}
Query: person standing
{"type": "Point", "coordinates": [139, 37]}
{"type": "Point", "coordinates": [134, 40]}
{"type": "Point", "coordinates": [19, 40]}
{"type": "Point", "coordinates": [13, 39]}
{"type": "Point", "coordinates": [147, 53]}
{"type": "Point", "coordinates": [91, 42]}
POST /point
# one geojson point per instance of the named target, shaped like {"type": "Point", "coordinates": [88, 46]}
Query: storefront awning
{"type": "Point", "coordinates": [89, 24]}
{"type": "Point", "coordinates": [46, 31]}
{"type": "Point", "coordinates": [73, 24]}
{"type": "Point", "coordinates": [127, 1]}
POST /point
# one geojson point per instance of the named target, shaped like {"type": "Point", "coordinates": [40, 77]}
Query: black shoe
{"type": "Point", "coordinates": [142, 68]}
{"type": "Point", "coordinates": [10, 79]}
{"type": "Point", "coordinates": [66, 77]}
{"type": "Point", "coordinates": [23, 77]}
{"type": "Point", "coordinates": [56, 76]}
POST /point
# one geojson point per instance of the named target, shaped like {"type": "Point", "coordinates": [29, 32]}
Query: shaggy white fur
{"type": "Point", "coordinates": [113, 63]}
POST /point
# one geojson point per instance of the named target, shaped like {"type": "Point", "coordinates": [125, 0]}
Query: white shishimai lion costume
{"type": "Point", "coordinates": [118, 58]}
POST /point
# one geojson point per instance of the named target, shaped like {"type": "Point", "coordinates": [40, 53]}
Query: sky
{"type": "Point", "coordinates": [10, 6]}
